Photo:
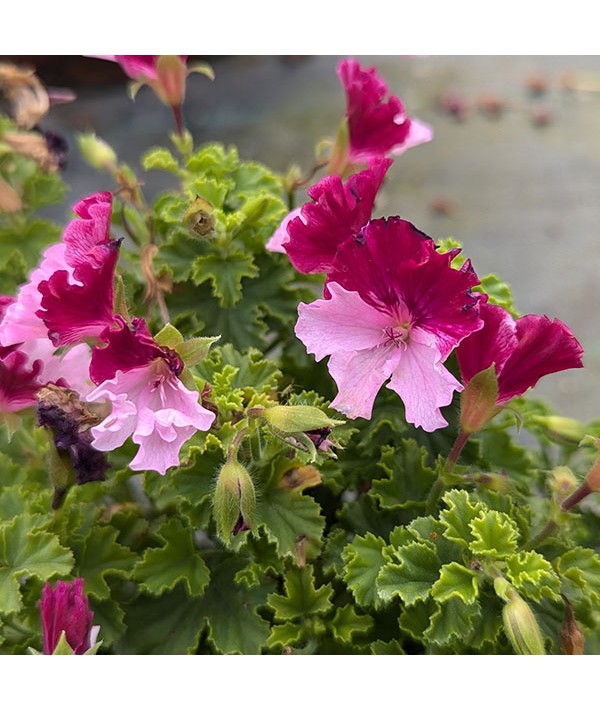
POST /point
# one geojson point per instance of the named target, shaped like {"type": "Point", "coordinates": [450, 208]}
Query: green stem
{"type": "Point", "coordinates": [549, 528]}
{"type": "Point", "coordinates": [440, 484]}
{"type": "Point", "coordinates": [235, 444]}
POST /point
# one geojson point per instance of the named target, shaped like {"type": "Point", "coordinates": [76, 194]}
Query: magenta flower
{"type": "Point", "coordinates": [396, 309]}
{"type": "Point", "coordinates": [65, 608]}
{"type": "Point", "coordinates": [376, 128]}
{"type": "Point", "coordinates": [149, 402]}
{"type": "Point", "coordinates": [280, 237]}
{"type": "Point", "coordinates": [19, 381]}
{"type": "Point", "coordinates": [339, 211]}
{"type": "Point", "coordinates": [85, 241]}
{"type": "Point", "coordinates": [137, 66]}
{"type": "Point", "coordinates": [522, 351]}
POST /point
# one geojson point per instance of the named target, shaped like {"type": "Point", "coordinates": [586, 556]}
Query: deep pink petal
{"type": "Point", "coordinates": [492, 344]}
{"type": "Point", "coordinates": [423, 383]}
{"type": "Point", "coordinates": [376, 127]}
{"type": "Point", "coordinates": [73, 312]}
{"type": "Point", "coordinates": [338, 212]}
{"type": "Point", "coordinates": [280, 236]}
{"type": "Point", "coordinates": [127, 347]}
{"type": "Point", "coordinates": [82, 236]}
{"type": "Point", "coordinates": [543, 347]}
{"type": "Point", "coordinates": [19, 381]}
{"type": "Point", "coordinates": [66, 609]}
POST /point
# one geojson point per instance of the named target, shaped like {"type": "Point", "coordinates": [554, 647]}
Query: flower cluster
{"type": "Point", "coordinates": [68, 302]}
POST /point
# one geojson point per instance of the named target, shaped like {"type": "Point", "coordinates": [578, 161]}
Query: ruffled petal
{"type": "Point", "coordinates": [280, 237]}
{"type": "Point", "coordinates": [423, 383]}
{"type": "Point", "coordinates": [342, 323]}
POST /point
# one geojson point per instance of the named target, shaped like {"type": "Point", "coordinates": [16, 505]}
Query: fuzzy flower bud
{"type": "Point", "coordinates": [97, 152]}
{"type": "Point", "coordinates": [234, 500]}
{"type": "Point", "coordinates": [478, 401]}
{"type": "Point", "coordinates": [520, 624]}
{"type": "Point", "coordinates": [298, 418]}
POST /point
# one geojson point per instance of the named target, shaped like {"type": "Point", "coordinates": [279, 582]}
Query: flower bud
{"type": "Point", "coordinates": [478, 401]}
{"type": "Point", "coordinates": [67, 619]}
{"type": "Point", "coordinates": [572, 640]}
{"type": "Point", "coordinates": [562, 483]}
{"type": "Point", "coordinates": [234, 500]}
{"type": "Point", "coordinates": [288, 419]}
{"type": "Point", "coordinates": [563, 430]}
{"type": "Point", "coordinates": [520, 624]}
{"type": "Point", "coordinates": [171, 73]}
{"type": "Point", "coordinates": [97, 152]}
{"type": "Point", "coordinates": [300, 478]}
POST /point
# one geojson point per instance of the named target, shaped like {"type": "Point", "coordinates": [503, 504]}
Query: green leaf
{"type": "Point", "coordinates": [414, 620]}
{"type": "Point", "coordinates": [301, 598]}
{"type": "Point", "coordinates": [159, 159]}
{"type": "Point", "coordinates": [289, 634]}
{"type": "Point", "coordinates": [347, 622]}
{"type": "Point", "coordinates": [533, 576]}
{"type": "Point", "coordinates": [99, 555]}
{"type": "Point", "coordinates": [364, 559]}
{"type": "Point", "coordinates": [23, 552]}
{"type": "Point", "coordinates": [409, 478]}
{"type": "Point", "coordinates": [290, 519]}
{"type": "Point", "coordinates": [225, 273]}
{"type": "Point", "coordinates": [392, 647]}
{"type": "Point", "coordinates": [457, 517]}
{"type": "Point", "coordinates": [499, 293]}
{"type": "Point", "coordinates": [43, 189]}
{"type": "Point", "coordinates": [494, 535]}
{"type": "Point", "coordinates": [231, 611]}
{"type": "Point", "coordinates": [413, 577]}
{"type": "Point", "coordinates": [177, 561]}
{"type": "Point", "coordinates": [194, 350]}
{"type": "Point", "coordinates": [456, 581]}
{"type": "Point", "coordinates": [580, 568]}
{"type": "Point", "coordinates": [452, 619]}
{"type": "Point", "coordinates": [110, 616]}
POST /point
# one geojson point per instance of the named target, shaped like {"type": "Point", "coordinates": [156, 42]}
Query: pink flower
{"type": "Point", "coordinates": [149, 402]}
{"type": "Point", "coordinates": [396, 309]}
{"type": "Point", "coordinates": [19, 381]}
{"type": "Point", "coordinates": [66, 609]}
{"type": "Point", "coordinates": [376, 128]}
{"type": "Point", "coordinates": [339, 211]}
{"type": "Point", "coordinates": [280, 237]}
{"type": "Point", "coordinates": [166, 74]}
{"type": "Point", "coordinates": [85, 242]}
{"type": "Point", "coordinates": [522, 351]}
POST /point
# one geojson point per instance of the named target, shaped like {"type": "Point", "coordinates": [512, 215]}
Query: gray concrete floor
{"type": "Point", "coordinates": [523, 199]}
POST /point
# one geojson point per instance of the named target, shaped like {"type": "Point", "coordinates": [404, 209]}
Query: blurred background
{"type": "Point", "coordinates": [513, 172]}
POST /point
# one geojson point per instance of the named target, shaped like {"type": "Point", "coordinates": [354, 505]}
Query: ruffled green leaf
{"type": "Point", "coordinates": [457, 517]}
{"type": "Point", "coordinates": [225, 273]}
{"type": "Point", "coordinates": [413, 577]}
{"type": "Point", "coordinates": [456, 581]}
{"type": "Point", "coordinates": [580, 569]}
{"type": "Point", "coordinates": [533, 576]}
{"type": "Point", "coordinates": [364, 559]}
{"type": "Point", "coordinates": [301, 598]}
{"type": "Point", "coordinates": [347, 623]}
{"type": "Point", "coordinates": [159, 159]}
{"type": "Point", "coordinates": [451, 620]}
{"type": "Point", "coordinates": [409, 479]}
{"type": "Point", "coordinates": [288, 634]}
{"type": "Point", "coordinates": [494, 535]}
{"type": "Point", "coordinates": [177, 561]}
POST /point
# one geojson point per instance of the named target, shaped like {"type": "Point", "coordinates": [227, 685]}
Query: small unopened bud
{"type": "Point", "coordinates": [97, 152]}
{"type": "Point", "coordinates": [562, 483]}
{"type": "Point", "coordinates": [563, 430]}
{"type": "Point", "coordinates": [200, 216]}
{"type": "Point", "coordinates": [572, 640]}
{"type": "Point", "coordinates": [520, 624]}
{"type": "Point", "coordinates": [171, 73]}
{"type": "Point", "coordinates": [478, 401]}
{"type": "Point", "coordinates": [300, 478]}
{"type": "Point", "coordinates": [298, 418]}
{"type": "Point", "coordinates": [234, 500]}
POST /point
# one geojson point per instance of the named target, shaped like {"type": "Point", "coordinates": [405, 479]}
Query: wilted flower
{"type": "Point", "coordinates": [65, 608]}
{"type": "Point", "coordinates": [396, 310]}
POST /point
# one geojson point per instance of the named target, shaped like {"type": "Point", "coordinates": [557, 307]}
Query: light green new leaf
{"type": "Point", "coordinates": [452, 619]}
{"type": "Point", "coordinates": [413, 577]}
{"type": "Point", "coordinates": [23, 552]}
{"type": "Point", "coordinates": [347, 622]}
{"type": "Point", "coordinates": [456, 581]}
{"type": "Point", "coordinates": [177, 561]}
{"type": "Point", "coordinates": [364, 559]}
{"type": "Point", "coordinates": [494, 535]}
{"type": "Point", "coordinates": [581, 568]}
{"type": "Point", "coordinates": [533, 576]}
{"type": "Point", "coordinates": [289, 634]}
{"type": "Point", "coordinates": [458, 515]}
{"type": "Point", "coordinates": [301, 598]}
{"type": "Point", "coordinates": [159, 159]}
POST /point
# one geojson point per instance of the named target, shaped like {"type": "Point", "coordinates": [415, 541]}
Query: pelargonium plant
{"type": "Point", "coordinates": [248, 416]}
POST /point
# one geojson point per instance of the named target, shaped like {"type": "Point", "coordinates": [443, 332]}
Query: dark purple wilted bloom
{"type": "Point", "coordinates": [65, 608]}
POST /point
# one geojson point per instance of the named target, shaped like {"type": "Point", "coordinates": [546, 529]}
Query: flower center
{"type": "Point", "coordinates": [398, 335]}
